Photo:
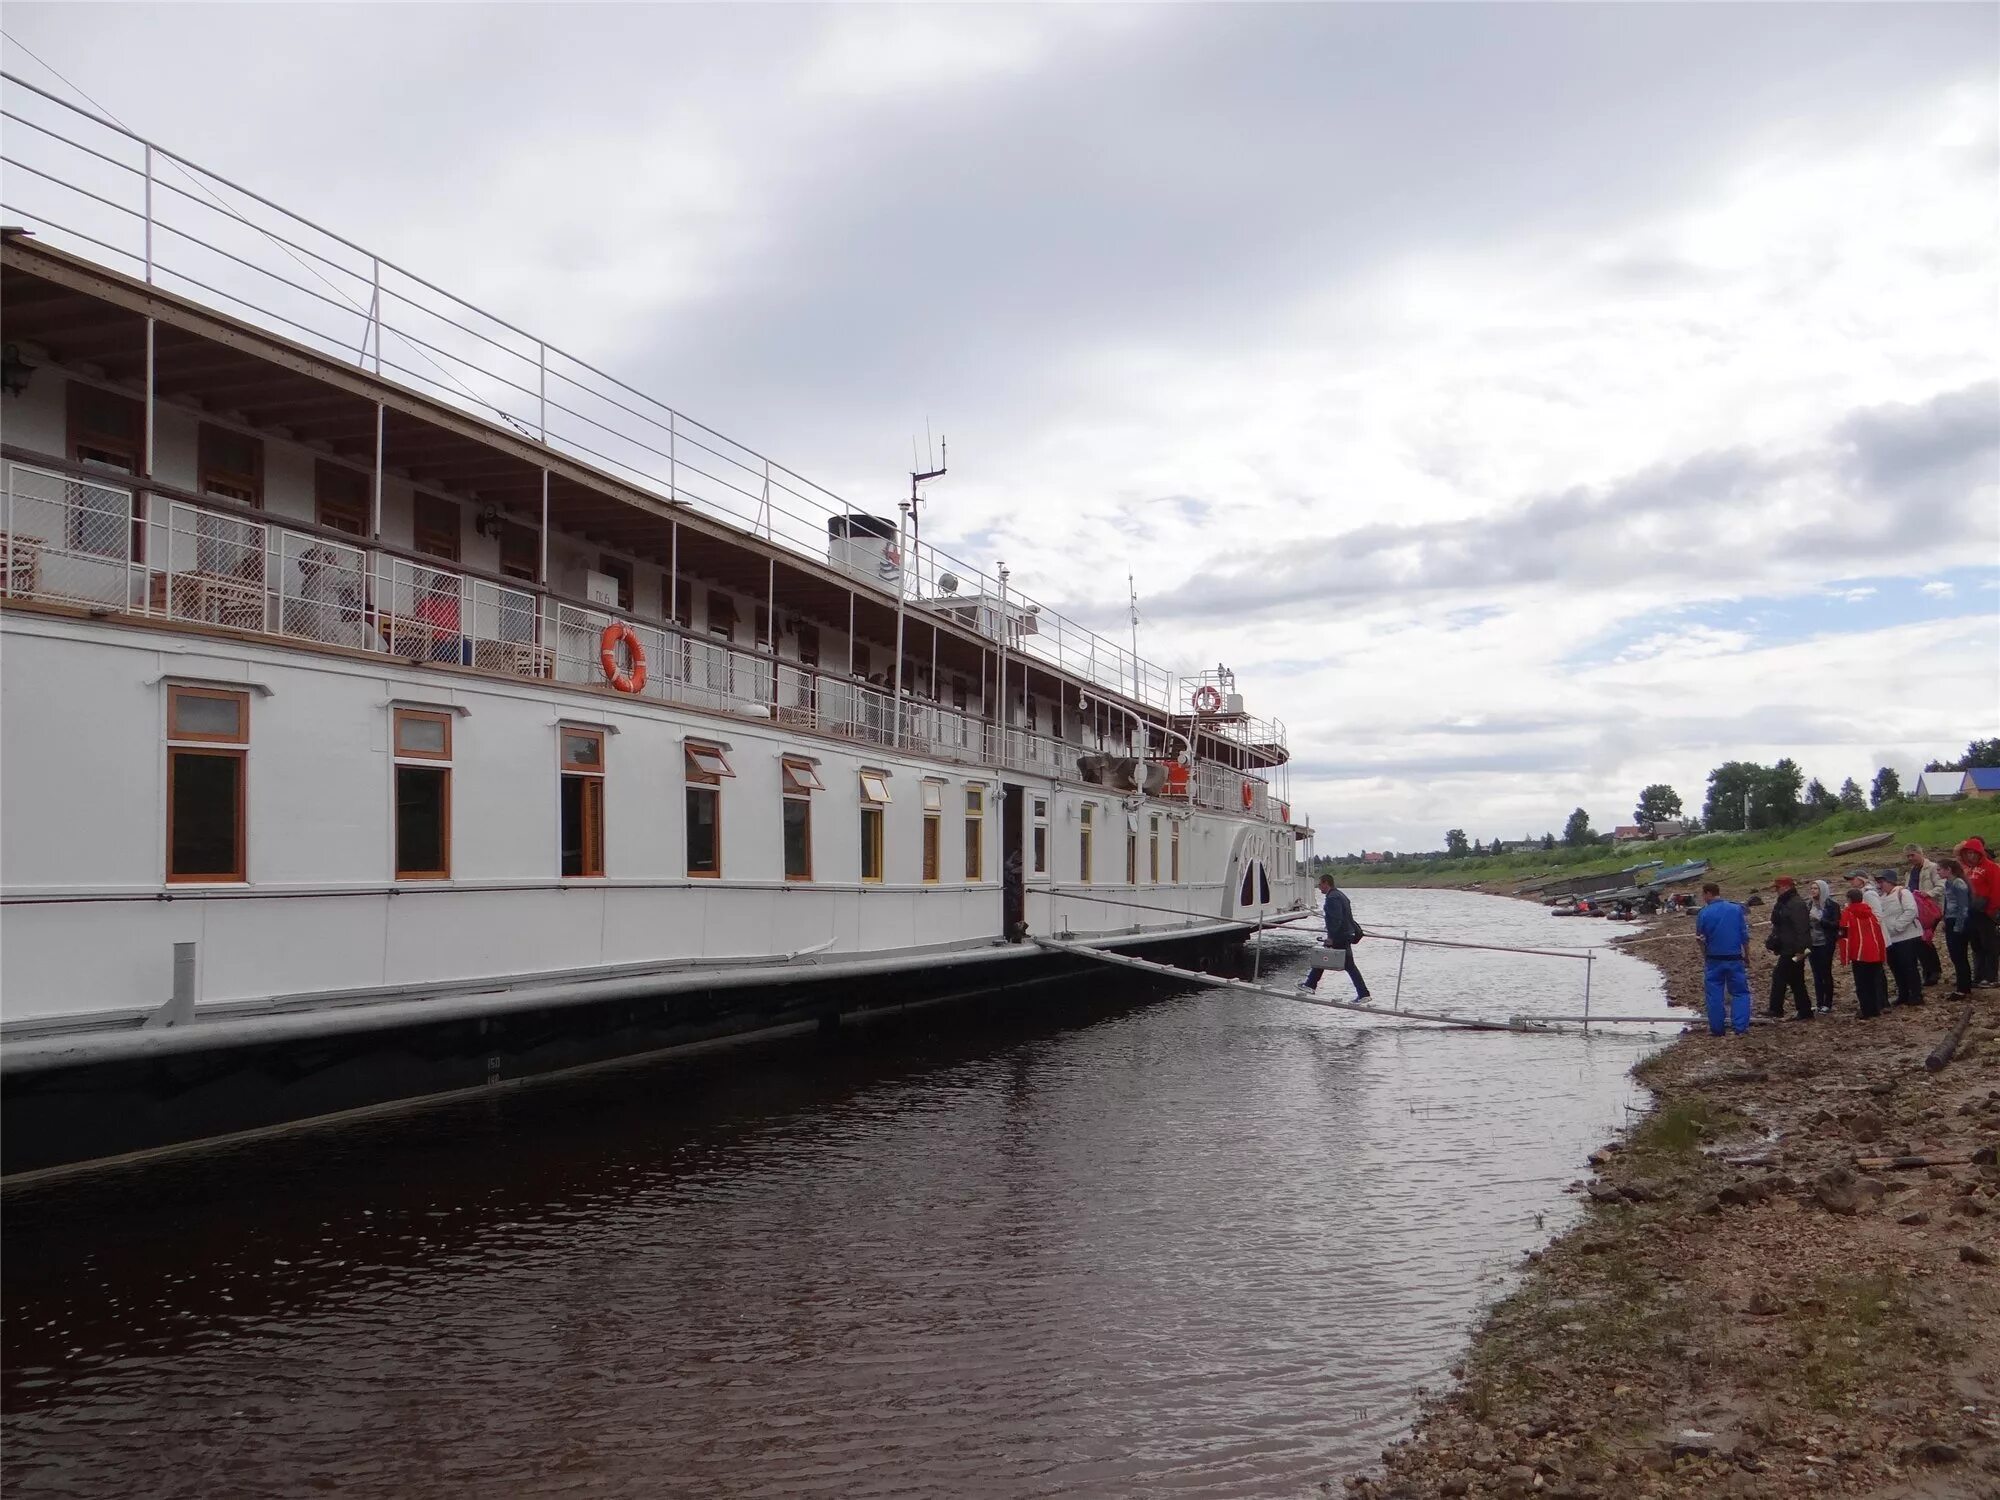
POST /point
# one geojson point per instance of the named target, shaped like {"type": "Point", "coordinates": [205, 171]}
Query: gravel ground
{"type": "Point", "coordinates": [1785, 1283]}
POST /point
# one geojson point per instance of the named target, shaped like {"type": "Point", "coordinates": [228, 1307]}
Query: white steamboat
{"type": "Point", "coordinates": [394, 704]}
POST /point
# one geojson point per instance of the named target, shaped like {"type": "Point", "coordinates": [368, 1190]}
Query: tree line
{"type": "Point", "coordinates": [1742, 796]}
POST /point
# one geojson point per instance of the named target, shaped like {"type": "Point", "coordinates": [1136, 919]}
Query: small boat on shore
{"type": "Point", "coordinates": [1866, 841]}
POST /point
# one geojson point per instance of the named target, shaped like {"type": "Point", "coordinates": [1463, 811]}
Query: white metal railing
{"type": "Point", "coordinates": [89, 186]}
{"type": "Point", "coordinates": [78, 541]}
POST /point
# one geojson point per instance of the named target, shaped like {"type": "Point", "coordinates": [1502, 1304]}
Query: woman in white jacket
{"type": "Point", "coordinates": [1904, 934]}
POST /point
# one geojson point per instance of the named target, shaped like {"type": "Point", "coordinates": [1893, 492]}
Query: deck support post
{"type": "Point", "coordinates": [375, 501]}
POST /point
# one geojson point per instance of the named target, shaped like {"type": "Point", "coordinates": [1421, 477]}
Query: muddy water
{"type": "Point", "coordinates": [1105, 1244]}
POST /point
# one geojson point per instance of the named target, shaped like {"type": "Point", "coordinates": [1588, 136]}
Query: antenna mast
{"type": "Point", "coordinates": [916, 500]}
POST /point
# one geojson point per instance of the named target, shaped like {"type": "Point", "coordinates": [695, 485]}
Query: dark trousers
{"type": "Point", "coordinates": [1789, 973]}
{"type": "Point", "coordinates": [1353, 973]}
{"type": "Point", "coordinates": [1822, 973]}
{"type": "Point", "coordinates": [1960, 947]}
{"type": "Point", "coordinates": [1985, 946]}
{"type": "Point", "coordinates": [1907, 970]}
{"type": "Point", "coordinates": [1927, 959]}
{"type": "Point", "coordinates": [1871, 988]}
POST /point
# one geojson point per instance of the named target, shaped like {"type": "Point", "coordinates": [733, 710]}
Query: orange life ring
{"type": "Point", "coordinates": [607, 653]}
{"type": "Point", "coordinates": [1249, 795]}
{"type": "Point", "coordinates": [1208, 700]}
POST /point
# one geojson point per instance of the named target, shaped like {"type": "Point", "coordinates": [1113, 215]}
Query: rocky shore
{"type": "Point", "coordinates": [1784, 1283]}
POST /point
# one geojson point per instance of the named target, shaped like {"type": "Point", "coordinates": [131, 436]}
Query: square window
{"type": "Point", "coordinates": [583, 750]}
{"type": "Point", "coordinates": [800, 777]}
{"type": "Point", "coordinates": [975, 801]}
{"type": "Point", "coordinates": [933, 796]}
{"type": "Point", "coordinates": [207, 714]}
{"type": "Point", "coordinates": [875, 787]}
{"type": "Point", "coordinates": [426, 736]}
{"type": "Point", "coordinates": [706, 763]}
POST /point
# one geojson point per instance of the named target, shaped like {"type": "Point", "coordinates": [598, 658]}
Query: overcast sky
{"type": "Point", "coordinates": [1529, 403]}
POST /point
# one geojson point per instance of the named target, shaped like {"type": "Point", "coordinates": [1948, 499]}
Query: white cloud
{"type": "Point", "coordinates": [1937, 588]}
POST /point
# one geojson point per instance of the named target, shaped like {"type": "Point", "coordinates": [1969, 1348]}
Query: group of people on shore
{"type": "Point", "coordinates": [1883, 928]}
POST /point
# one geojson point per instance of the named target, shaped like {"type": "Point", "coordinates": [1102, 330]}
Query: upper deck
{"type": "Point", "coordinates": [588, 500]}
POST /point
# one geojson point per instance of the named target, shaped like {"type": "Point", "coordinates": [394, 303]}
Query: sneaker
{"type": "Point", "coordinates": [1305, 989]}
{"type": "Point", "coordinates": [1363, 998]}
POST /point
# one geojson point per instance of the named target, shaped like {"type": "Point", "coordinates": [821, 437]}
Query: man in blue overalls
{"type": "Point", "coordinates": [1725, 948]}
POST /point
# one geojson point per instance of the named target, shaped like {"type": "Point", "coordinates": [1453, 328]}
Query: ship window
{"type": "Point", "coordinates": [232, 464]}
{"type": "Point", "coordinates": [340, 498]}
{"type": "Point", "coordinates": [1041, 836]}
{"type": "Point", "coordinates": [933, 796]}
{"type": "Point", "coordinates": [975, 833]}
{"type": "Point", "coordinates": [1131, 856]}
{"type": "Point", "coordinates": [1174, 852]}
{"type": "Point", "coordinates": [619, 571]}
{"type": "Point", "coordinates": [1263, 886]}
{"type": "Point", "coordinates": [1153, 854]}
{"type": "Point", "coordinates": [871, 842]}
{"type": "Point", "coordinates": [704, 832]}
{"type": "Point", "coordinates": [875, 787]}
{"type": "Point", "coordinates": [800, 782]}
{"type": "Point", "coordinates": [707, 764]}
{"type": "Point", "coordinates": [1087, 818]}
{"type": "Point", "coordinates": [582, 768]}
{"type": "Point", "coordinates": [434, 527]}
{"type": "Point", "coordinates": [208, 733]}
{"type": "Point", "coordinates": [1249, 887]}
{"type": "Point", "coordinates": [423, 795]}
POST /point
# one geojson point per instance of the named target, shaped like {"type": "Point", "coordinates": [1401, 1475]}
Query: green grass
{"type": "Point", "coordinates": [1679, 1128]}
{"type": "Point", "coordinates": [1853, 1334]}
{"type": "Point", "coordinates": [1739, 861]}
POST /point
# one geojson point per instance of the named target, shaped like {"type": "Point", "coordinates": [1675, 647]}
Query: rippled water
{"type": "Point", "coordinates": [1200, 1245]}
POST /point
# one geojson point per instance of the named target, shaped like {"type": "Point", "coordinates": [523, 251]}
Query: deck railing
{"type": "Point", "coordinates": [76, 541]}
{"type": "Point", "coordinates": [93, 188]}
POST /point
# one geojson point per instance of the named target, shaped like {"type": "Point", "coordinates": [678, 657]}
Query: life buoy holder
{"type": "Point", "coordinates": [1249, 795]}
{"type": "Point", "coordinates": [607, 654]}
{"type": "Point", "coordinates": [1208, 700]}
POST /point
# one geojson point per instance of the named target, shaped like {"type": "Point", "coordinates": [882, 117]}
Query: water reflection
{"type": "Point", "coordinates": [1206, 1244]}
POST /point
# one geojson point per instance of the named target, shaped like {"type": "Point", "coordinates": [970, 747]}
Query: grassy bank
{"type": "Point", "coordinates": [1740, 860]}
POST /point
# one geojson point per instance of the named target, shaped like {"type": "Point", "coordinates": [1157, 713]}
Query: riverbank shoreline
{"type": "Point", "coordinates": [1784, 1282]}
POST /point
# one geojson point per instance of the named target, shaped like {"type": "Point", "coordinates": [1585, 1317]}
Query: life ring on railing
{"type": "Point", "coordinates": [607, 653]}
{"type": "Point", "coordinates": [1208, 700]}
{"type": "Point", "coordinates": [1249, 795]}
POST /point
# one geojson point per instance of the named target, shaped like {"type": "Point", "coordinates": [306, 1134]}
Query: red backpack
{"type": "Point", "coordinates": [1929, 913]}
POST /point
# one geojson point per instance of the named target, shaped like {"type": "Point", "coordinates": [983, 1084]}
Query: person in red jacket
{"type": "Point", "coordinates": [1864, 950]}
{"type": "Point", "coordinates": [1982, 929]}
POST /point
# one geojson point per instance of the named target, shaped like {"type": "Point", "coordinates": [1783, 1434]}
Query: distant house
{"type": "Point", "coordinates": [1374, 858]}
{"type": "Point", "coordinates": [1941, 786]}
{"type": "Point", "coordinates": [1670, 828]}
{"type": "Point", "coordinates": [1983, 781]}
{"type": "Point", "coordinates": [1630, 833]}
{"type": "Point", "coordinates": [1516, 846]}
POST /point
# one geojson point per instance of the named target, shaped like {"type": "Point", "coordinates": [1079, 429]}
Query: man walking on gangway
{"type": "Point", "coordinates": [1342, 931]}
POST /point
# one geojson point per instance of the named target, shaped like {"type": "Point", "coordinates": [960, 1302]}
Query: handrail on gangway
{"type": "Point", "coordinates": [1553, 1025]}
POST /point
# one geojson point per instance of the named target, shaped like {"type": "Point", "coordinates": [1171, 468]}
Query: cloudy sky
{"type": "Point", "coordinates": [1529, 403]}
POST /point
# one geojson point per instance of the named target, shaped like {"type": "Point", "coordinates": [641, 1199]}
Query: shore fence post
{"type": "Point", "coordinates": [1589, 963]}
{"type": "Point", "coordinates": [1402, 954]}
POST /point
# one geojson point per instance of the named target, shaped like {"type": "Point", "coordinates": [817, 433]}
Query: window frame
{"type": "Point", "coordinates": [210, 469]}
{"type": "Point", "coordinates": [620, 571]}
{"type": "Point", "coordinates": [592, 840]}
{"type": "Point", "coordinates": [430, 533]}
{"type": "Point", "coordinates": [332, 510]}
{"type": "Point", "coordinates": [875, 787]}
{"type": "Point", "coordinates": [872, 842]}
{"type": "Point", "coordinates": [693, 789]}
{"type": "Point", "coordinates": [427, 715]}
{"type": "Point", "coordinates": [791, 800]}
{"type": "Point", "coordinates": [1131, 855]}
{"type": "Point", "coordinates": [434, 761]}
{"type": "Point", "coordinates": [931, 847]}
{"type": "Point", "coordinates": [975, 832]}
{"type": "Point", "coordinates": [1153, 849]}
{"type": "Point", "coordinates": [1086, 841]}
{"type": "Point", "coordinates": [214, 747]}
{"type": "Point", "coordinates": [696, 755]}
{"type": "Point", "coordinates": [1038, 837]}
{"type": "Point", "coordinates": [798, 776]}
{"type": "Point", "coordinates": [1174, 847]}
{"type": "Point", "coordinates": [80, 433]}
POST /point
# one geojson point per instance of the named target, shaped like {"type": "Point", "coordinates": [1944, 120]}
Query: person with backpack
{"type": "Point", "coordinates": [1904, 934]}
{"type": "Point", "coordinates": [1926, 885]}
{"type": "Point", "coordinates": [1342, 931]}
{"type": "Point", "coordinates": [1864, 952]}
{"type": "Point", "coordinates": [1957, 915]}
{"type": "Point", "coordinates": [1823, 936]}
{"type": "Point", "coordinates": [1790, 939]}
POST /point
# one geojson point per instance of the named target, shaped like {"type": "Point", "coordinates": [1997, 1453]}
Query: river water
{"type": "Point", "coordinates": [1099, 1244]}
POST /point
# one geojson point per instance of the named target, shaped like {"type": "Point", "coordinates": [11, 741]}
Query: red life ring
{"type": "Point", "coordinates": [1208, 700]}
{"type": "Point", "coordinates": [1249, 795]}
{"type": "Point", "coordinates": [607, 653]}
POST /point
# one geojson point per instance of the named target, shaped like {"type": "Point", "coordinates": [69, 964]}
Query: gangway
{"type": "Point", "coordinates": [1550, 1025]}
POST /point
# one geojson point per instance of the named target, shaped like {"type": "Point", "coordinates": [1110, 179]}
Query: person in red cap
{"type": "Point", "coordinates": [1980, 927]}
{"type": "Point", "coordinates": [1791, 936]}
